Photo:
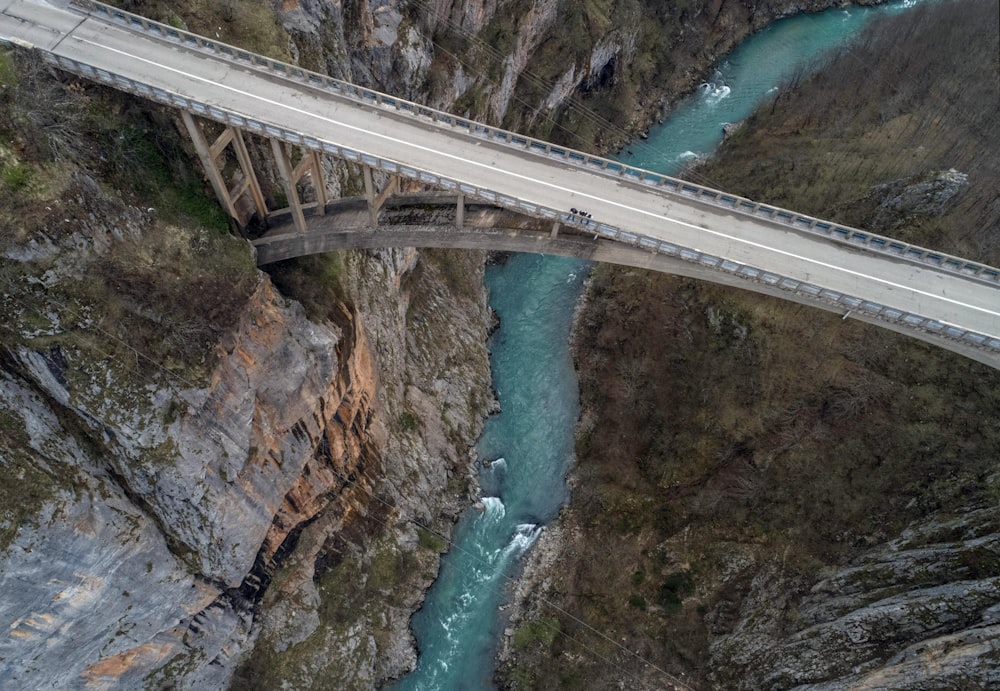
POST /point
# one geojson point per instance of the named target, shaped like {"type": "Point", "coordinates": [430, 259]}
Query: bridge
{"type": "Point", "coordinates": [496, 189]}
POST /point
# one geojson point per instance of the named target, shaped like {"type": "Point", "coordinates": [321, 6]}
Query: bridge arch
{"type": "Point", "coordinates": [428, 220]}
{"type": "Point", "coordinates": [640, 217]}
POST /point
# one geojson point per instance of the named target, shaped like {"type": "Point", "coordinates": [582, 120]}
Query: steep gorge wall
{"type": "Point", "coordinates": [266, 506]}
{"type": "Point", "coordinates": [169, 508]}
{"type": "Point", "coordinates": [591, 75]}
{"type": "Point", "coordinates": [768, 497]}
{"type": "Point", "coordinates": [184, 454]}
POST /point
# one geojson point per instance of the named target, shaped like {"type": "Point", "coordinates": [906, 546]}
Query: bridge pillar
{"type": "Point", "coordinates": [288, 181]}
{"type": "Point", "coordinates": [375, 201]}
{"type": "Point", "coordinates": [316, 173]}
{"type": "Point", "coordinates": [250, 177]}
{"type": "Point", "coordinates": [391, 188]}
{"type": "Point", "coordinates": [370, 196]}
{"type": "Point", "coordinates": [209, 154]}
{"type": "Point", "coordinates": [309, 165]}
{"type": "Point", "coordinates": [555, 229]}
{"type": "Point", "coordinates": [460, 211]}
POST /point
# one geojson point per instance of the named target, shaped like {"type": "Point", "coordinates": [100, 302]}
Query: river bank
{"type": "Point", "coordinates": [758, 485]}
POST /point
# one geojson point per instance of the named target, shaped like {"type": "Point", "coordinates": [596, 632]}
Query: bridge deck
{"type": "Point", "coordinates": [517, 174]}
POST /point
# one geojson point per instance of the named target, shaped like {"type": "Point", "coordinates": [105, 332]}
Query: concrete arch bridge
{"type": "Point", "coordinates": [498, 189]}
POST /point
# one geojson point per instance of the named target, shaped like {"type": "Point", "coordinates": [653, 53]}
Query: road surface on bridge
{"type": "Point", "coordinates": [918, 288]}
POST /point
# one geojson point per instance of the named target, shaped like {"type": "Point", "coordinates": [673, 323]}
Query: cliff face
{"type": "Point", "coordinates": [919, 612]}
{"type": "Point", "coordinates": [769, 497]}
{"type": "Point", "coordinates": [162, 508]}
{"type": "Point", "coordinates": [199, 482]}
{"type": "Point", "coordinates": [537, 65]}
{"type": "Point", "coordinates": [188, 462]}
{"type": "Point", "coordinates": [164, 501]}
{"type": "Point", "coordinates": [338, 609]}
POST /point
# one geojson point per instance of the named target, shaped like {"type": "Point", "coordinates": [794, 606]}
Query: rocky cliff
{"type": "Point", "coordinates": [186, 456]}
{"type": "Point", "coordinates": [768, 497]}
{"type": "Point", "coordinates": [203, 482]}
{"type": "Point", "coordinates": [149, 508]}
{"type": "Point", "coordinates": [588, 75]}
{"type": "Point", "coordinates": [919, 612]}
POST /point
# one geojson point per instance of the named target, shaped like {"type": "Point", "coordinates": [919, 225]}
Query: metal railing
{"type": "Point", "coordinates": [799, 222]}
{"type": "Point", "coordinates": [849, 303]}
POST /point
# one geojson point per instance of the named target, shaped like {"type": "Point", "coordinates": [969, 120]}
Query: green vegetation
{"type": "Point", "coordinates": [431, 541]}
{"type": "Point", "coordinates": [408, 422]}
{"type": "Point", "coordinates": [58, 125]}
{"type": "Point", "coordinates": [16, 176]}
{"type": "Point", "coordinates": [357, 580]}
{"type": "Point", "coordinates": [25, 485]}
{"type": "Point", "coordinates": [8, 73]}
{"type": "Point", "coordinates": [139, 302]}
{"type": "Point", "coordinates": [623, 59]}
{"type": "Point", "coordinates": [674, 589]}
{"type": "Point", "coordinates": [725, 433]}
{"type": "Point", "coordinates": [657, 49]}
{"type": "Point", "coordinates": [637, 601]}
{"type": "Point", "coordinates": [29, 479]}
{"type": "Point", "coordinates": [850, 138]}
{"type": "Point", "coordinates": [246, 23]}
{"type": "Point", "coordinates": [542, 631]}
{"type": "Point", "coordinates": [318, 281]}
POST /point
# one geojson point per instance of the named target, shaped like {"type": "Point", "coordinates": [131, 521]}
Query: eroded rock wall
{"type": "Point", "coordinates": [159, 514]}
{"type": "Point", "coordinates": [540, 65]}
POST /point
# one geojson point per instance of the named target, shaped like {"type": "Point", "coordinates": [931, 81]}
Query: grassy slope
{"type": "Point", "coordinates": [74, 154]}
{"type": "Point", "coordinates": [99, 287]}
{"type": "Point", "coordinates": [727, 433]}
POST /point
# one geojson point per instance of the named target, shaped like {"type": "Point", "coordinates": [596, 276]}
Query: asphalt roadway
{"type": "Point", "coordinates": [447, 151]}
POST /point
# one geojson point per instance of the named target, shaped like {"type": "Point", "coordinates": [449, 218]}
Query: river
{"type": "Point", "coordinates": [529, 444]}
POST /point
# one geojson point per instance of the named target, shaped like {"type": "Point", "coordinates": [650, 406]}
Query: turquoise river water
{"type": "Point", "coordinates": [530, 442]}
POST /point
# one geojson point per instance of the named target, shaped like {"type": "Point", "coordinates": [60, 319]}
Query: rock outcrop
{"type": "Point", "coordinates": [927, 195]}
{"type": "Point", "coordinates": [920, 612]}
{"type": "Point", "coordinates": [531, 64]}
{"type": "Point", "coordinates": [161, 515]}
{"type": "Point", "coordinates": [168, 502]}
{"type": "Point", "coordinates": [261, 498]}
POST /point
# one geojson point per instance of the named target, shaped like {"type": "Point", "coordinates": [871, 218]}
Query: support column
{"type": "Point", "coordinates": [391, 188]}
{"type": "Point", "coordinates": [204, 151]}
{"type": "Point", "coordinates": [243, 156]}
{"type": "Point", "coordinates": [370, 196]}
{"type": "Point", "coordinates": [288, 181]}
{"type": "Point", "coordinates": [318, 183]}
{"type": "Point", "coordinates": [555, 229]}
{"type": "Point", "coordinates": [460, 212]}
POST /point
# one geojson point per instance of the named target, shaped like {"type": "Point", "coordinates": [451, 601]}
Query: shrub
{"type": "Point", "coordinates": [542, 630]}
{"type": "Point", "coordinates": [431, 541]}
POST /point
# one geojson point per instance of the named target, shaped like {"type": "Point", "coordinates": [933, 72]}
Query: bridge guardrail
{"type": "Point", "coordinates": [750, 273]}
{"type": "Point", "coordinates": [799, 222]}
